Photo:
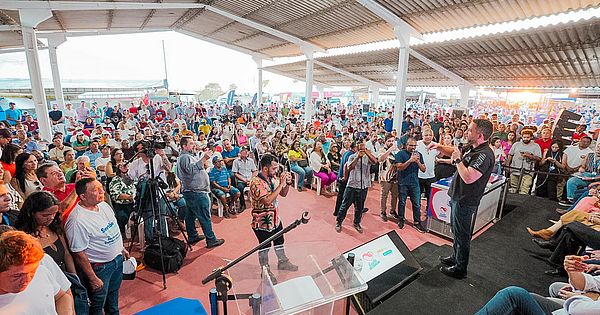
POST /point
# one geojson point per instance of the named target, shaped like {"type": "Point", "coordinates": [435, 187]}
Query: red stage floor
{"type": "Point", "coordinates": [146, 290]}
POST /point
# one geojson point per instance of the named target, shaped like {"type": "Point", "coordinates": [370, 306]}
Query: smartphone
{"type": "Point", "coordinates": [87, 165]}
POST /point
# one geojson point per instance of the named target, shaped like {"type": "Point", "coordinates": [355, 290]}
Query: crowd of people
{"type": "Point", "coordinates": [75, 197]}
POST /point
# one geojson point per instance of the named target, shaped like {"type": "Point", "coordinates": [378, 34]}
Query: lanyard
{"type": "Point", "coordinates": [5, 219]}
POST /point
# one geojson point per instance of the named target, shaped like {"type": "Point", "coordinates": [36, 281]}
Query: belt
{"type": "Point", "coordinates": [99, 264]}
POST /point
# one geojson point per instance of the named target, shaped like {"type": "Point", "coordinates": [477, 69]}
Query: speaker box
{"type": "Point", "coordinates": [565, 125]}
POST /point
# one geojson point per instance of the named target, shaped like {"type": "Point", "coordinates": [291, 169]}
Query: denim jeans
{"type": "Point", "coordinates": [579, 194]}
{"type": "Point", "coordinates": [107, 298]}
{"type": "Point", "coordinates": [461, 220]}
{"type": "Point", "coordinates": [80, 294]}
{"type": "Point", "coordinates": [353, 196]}
{"type": "Point", "coordinates": [517, 301]}
{"type": "Point", "coordinates": [414, 192]}
{"type": "Point", "coordinates": [198, 207]}
{"type": "Point", "coordinates": [180, 206]}
{"type": "Point", "coordinates": [122, 213]}
{"type": "Point", "coordinates": [576, 183]}
{"type": "Point", "coordinates": [303, 172]}
{"type": "Point", "coordinates": [340, 196]}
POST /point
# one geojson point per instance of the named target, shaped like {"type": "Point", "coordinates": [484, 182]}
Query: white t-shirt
{"type": "Point", "coordinates": [58, 274]}
{"type": "Point", "coordinates": [94, 232]}
{"type": "Point", "coordinates": [114, 144]}
{"type": "Point", "coordinates": [102, 161]}
{"type": "Point", "coordinates": [37, 298]}
{"type": "Point", "coordinates": [575, 155]}
{"type": "Point", "coordinates": [428, 158]}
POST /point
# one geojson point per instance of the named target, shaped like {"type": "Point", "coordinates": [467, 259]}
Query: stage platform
{"type": "Point", "coordinates": [501, 256]}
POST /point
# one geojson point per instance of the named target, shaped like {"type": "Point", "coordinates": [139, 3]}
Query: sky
{"type": "Point", "coordinates": [191, 63]}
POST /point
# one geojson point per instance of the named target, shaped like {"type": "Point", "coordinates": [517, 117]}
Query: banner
{"type": "Point", "coordinates": [440, 204]}
{"type": "Point", "coordinates": [254, 98]}
{"type": "Point", "coordinates": [230, 96]}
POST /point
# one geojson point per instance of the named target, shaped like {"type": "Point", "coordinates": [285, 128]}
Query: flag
{"type": "Point", "coordinates": [230, 96]}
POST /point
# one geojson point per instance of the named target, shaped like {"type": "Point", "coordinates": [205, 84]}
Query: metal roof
{"type": "Point", "coordinates": [560, 56]}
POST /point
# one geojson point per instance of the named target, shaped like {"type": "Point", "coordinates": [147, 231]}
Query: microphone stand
{"type": "Point", "coordinates": [223, 283]}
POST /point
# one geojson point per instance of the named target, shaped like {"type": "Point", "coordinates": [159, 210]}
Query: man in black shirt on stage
{"type": "Point", "coordinates": [473, 170]}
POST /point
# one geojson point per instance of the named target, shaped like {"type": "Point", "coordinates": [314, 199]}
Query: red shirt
{"type": "Point", "coordinates": [578, 136]}
{"type": "Point", "coordinates": [62, 195]}
{"type": "Point", "coordinates": [133, 110]}
{"type": "Point", "coordinates": [544, 145]}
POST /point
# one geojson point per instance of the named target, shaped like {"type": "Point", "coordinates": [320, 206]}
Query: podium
{"type": "Point", "coordinates": [323, 277]}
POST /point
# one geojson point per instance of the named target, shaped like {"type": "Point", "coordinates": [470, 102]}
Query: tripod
{"type": "Point", "coordinates": [156, 193]}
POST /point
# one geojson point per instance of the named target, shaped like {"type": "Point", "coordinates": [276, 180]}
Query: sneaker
{"type": "Point", "coordinates": [400, 223]}
{"type": "Point", "coordinates": [217, 242]}
{"type": "Point", "coordinates": [338, 227]}
{"type": "Point", "coordinates": [358, 228]}
{"type": "Point", "coordinates": [420, 227]}
{"type": "Point", "coordinates": [195, 239]}
{"type": "Point", "coordinates": [565, 203]}
{"type": "Point", "coordinates": [394, 215]}
{"type": "Point", "coordinates": [286, 265]}
{"type": "Point", "coordinates": [383, 217]}
{"type": "Point", "coordinates": [365, 210]}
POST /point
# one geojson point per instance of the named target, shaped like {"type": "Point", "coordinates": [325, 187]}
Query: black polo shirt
{"type": "Point", "coordinates": [480, 158]}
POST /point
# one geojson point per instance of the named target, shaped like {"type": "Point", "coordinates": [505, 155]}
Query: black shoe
{"type": "Point", "coordinates": [365, 210]}
{"type": "Point", "coordinates": [394, 215]}
{"type": "Point", "coordinates": [383, 217]}
{"type": "Point", "coordinates": [558, 272]}
{"type": "Point", "coordinates": [448, 261]}
{"type": "Point", "coordinates": [453, 272]}
{"type": "Point", "coordinates": [338, 227]}
{"type": "Point", "coordinates": [217, 242]}
{"type": "Point", "coordinates": [196, 239]}
{"type": "Point", "coordinates": [286, 265]}
{"type": "Point", "coordinates": [544, 244]}
{"type": "Point", "coordinates": [358, 228]}
{"type": "Point", "coordinates": [420, 228]}
{"type": "Point", "coordinates": [335, 214]}
{"type": "Point", "coordinates": [400, 223]}
{"type": "Point", "coordinates": [565, 203]}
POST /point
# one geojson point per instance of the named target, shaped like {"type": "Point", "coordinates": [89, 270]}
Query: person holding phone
{"type": "Point", "coordinates": [408, 163]}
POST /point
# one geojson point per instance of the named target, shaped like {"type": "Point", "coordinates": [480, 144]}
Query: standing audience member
{"type": "Point", "coordinates": [409, 162]}
{"type": "Point", "coordinates": [97, 246]}
{"type": "Point", "coordinates": [523, 157]}
{"type": "Point", "coordinates": [427, 177]}
{"type": "Point", "coordinates": [388, 176]}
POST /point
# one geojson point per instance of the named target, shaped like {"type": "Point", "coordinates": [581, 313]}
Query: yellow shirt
{"type": "Point", "coordinates": [205, 129]}
{"type": "Point", "coordinates": [295, 154]}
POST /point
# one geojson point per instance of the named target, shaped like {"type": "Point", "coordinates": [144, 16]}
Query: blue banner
{"type": "Point", "coordinates": [230, 96]}
{"type": "Point", "coordinates": [254, 98]}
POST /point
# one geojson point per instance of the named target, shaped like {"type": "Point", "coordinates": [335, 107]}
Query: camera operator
{"type": "Point", "coordinates": [139, 170]}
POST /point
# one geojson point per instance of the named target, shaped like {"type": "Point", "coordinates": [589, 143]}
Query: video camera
{"type": "Point", "coordinates": [149, 144]}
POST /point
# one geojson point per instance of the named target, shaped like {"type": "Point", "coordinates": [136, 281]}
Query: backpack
{"type": "Point", "coordinates": [174, 251]}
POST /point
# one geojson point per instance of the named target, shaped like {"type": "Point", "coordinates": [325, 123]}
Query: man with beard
{"type": "Point", "coordinates": [525, 154]}
{"type": "Point", "coordinates": [473, 170]}
{"type": "Point", "coordinates": [388, 176]}
{"type": "Point", "coordinates": [409, 162]}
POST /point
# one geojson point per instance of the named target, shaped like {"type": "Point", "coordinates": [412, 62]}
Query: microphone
{"type": "Point", "coordinates": [305, 217]}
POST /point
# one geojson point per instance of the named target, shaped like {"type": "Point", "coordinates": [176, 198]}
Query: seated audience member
{"type": "Point", "coordinates": [122, 191]}
{"type": "Point", "coordinates": [26, 285]}
{"type": "Point", "coordinates": [9, 156]}
{"type": "Point", "coordinates": [55, 182]}
{"type": "Point", "coordinates": [321, 167]}
{"type": "Point", "coordinates": [25, 181]}
{"type": "Point", "coordinates": [95, 241]}
{"type": "Point", "coordinates": [82, 165]}
{"type": "Point", "coordinates": [590, 219]}
{"type": "Point", "coordinates": [299, 165]}
{"type": "Point", "coordinates": [244, 169]}
{"type": "Point", "coordinates": [116, 158]}
{"type": "Point", "coordinates": [523, 155]}
{"type": "Point", "coordinates": [573, 159]}
{"type": "Point", "coordinates": [230, 153]}
{"type": "Point", "coordinates": [57, 153]}
{"type": "Point", "coordinates": [581, 296]}
{"type": "Point", "coordinates": [93, 153]}
{"type": "Point", "coordinates": [220, 181]}
{"type": "Point", "coordinates": [69, 162]}
{"type": "Point", "coordinates": [588, 173]}
{"type": "Point", "coordinates": [8, 214]}
{"type": "Point", "coordinates": [569, 241]}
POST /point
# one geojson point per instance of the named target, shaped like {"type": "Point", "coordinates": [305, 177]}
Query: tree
{"type": "Point", "coordinates": [210, 92]}
{"type": "Point", "coordinates": [233, 86]}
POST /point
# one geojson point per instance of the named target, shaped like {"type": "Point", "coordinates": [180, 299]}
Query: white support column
{"type": "Point", "coordinates": [53, 42]}
{"type": "Point", "coordinates": [401, 78]}
{"type": "Point", "coordinates": [260, 80]}
{"type": "Point", "coordinates": [308, 106]}
{"type": "Point", "coordinates": [464, 95]}
{"type": "Point", "coordinates": [374, 96]}
{"type": "Point", "coordinates": [30, 18]}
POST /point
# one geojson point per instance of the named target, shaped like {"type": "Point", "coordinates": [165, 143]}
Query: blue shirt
{"type": "Point", "coordinates": [15, 114]}
{"type": "Point", "coordinates": [235, 152]}
{"type": "Point", "coordinates": [410, 175]}
{"type": "Point", "coordinates": [93, 157]}
{"type": "Point", "coordinates": [388, 124]}
{"type": "Point", "coordinates": [221, 177]}
{"type": "Point", "coordinates": [343, 161]}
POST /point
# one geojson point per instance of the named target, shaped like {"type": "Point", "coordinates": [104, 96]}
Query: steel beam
{"type": "Point", "coordinates": [96, 32]}
{"type": "Point", "coordinates": [451, 75]}
{"type": "Point", "coordinates": [390, 17]}
{"type": "Point", "coordinates": [87, 6]}
{"type": "Point", "coordinates": [351, 75]}
{"type": "Point", "coordinates": [53, 43]}
{"type": "Point", "coordinates": [269, 30]}
{"type": "Point", "coordinates": [226, 45]}
{"type": "Point", "coordinates": [295, 77]}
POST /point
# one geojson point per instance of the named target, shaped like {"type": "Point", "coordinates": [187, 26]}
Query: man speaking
{"type": "Point", "coordinates": [473, 170]}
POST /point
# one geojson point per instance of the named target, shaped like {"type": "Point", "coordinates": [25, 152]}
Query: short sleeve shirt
{"type": "Point", "coordinates": [264, 217]}
{"type": "Point", "coordinates": [408, 176]}
{"type": "Point", "coordinates": [221, 176]}
{"type": "Point", "coordinates": [480, 158]}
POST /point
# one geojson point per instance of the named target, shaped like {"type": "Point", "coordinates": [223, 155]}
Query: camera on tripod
{"type": "Point", "coordinates": [150, 144]}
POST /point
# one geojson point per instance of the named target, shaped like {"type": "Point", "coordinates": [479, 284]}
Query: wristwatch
{"type": "Point", "coordinates": [454, 162]}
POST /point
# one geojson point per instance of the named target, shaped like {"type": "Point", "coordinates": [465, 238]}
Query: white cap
{"type": "Point", "coordinates": [129, 267]}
